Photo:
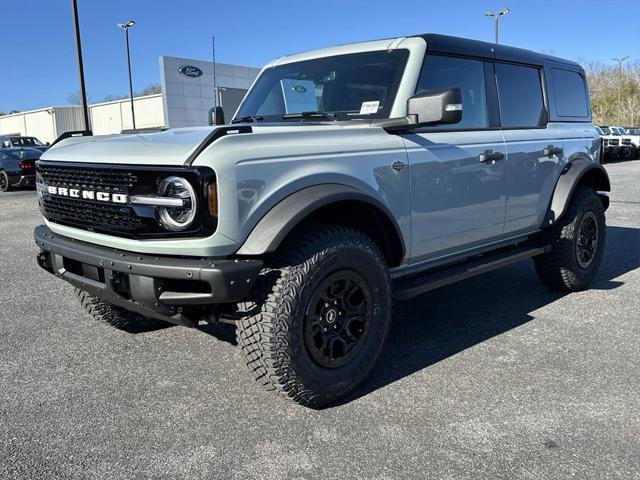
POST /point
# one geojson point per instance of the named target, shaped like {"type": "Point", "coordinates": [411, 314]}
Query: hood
{"type": "Point", "coordinates": [171, 147]}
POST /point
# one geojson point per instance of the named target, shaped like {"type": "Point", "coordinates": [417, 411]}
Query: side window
{"type": "Point", "coordinates": [570, 93]}
{"type": "Point", "coordinates": [520, 96]}
{"type": "Point", "coordinates": [468, 75]}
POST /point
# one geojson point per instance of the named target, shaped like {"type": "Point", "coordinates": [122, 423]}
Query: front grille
{"type": "Point", "coordinates": [626, 141]}
{"type": "Point", "coordinates": [88, 178]}
{"type": "Point", "coordinates": [91, 214]}
{"type": "Point", "coordinates": [119, 219]}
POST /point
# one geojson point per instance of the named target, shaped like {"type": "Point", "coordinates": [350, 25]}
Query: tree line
{"type": "Point", "coordinates": [615, 93]}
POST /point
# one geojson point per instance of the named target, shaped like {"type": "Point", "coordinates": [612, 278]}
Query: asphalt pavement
{"type": "Point", "coordinates": [494, 377]}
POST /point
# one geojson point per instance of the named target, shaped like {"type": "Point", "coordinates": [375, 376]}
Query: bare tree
{"type": "Point", "coordinates": [150, 89]}
{"type": "Point", "coordinates": [615, 95]}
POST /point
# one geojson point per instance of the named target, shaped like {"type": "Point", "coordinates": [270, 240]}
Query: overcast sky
{"type": "Point", "coordinates": [38, 67]}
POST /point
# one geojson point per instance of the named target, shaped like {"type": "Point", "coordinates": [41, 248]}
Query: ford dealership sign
{"type": "Point", "coordinates": [190, 71]}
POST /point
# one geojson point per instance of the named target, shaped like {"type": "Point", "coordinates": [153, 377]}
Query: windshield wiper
{"type": "Point", "coordinates": [248, 119]}
{"type": "Point", "coordinates": [325, 115]}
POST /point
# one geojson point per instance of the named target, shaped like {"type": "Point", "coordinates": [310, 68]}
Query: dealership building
{"type": "Point", "coordinates": [188, 93]}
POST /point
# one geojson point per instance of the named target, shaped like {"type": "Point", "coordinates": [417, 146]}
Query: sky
{"type": "Point", "coordinates": [39, 64]}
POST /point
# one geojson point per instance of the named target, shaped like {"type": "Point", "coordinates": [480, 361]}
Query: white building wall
{"type": "Point", "coordinates": [113, 117]}
{"type": "Point", "coordinates": [68, 119]}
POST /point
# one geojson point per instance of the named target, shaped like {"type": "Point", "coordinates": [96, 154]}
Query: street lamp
{"type": "Point", "coordinates": [496, 16]}
{"type": "Point", "coordinates": [83, 92]}
{"type": "Point", "coordinates": [126, 27]}
{"type": "Point", "coordinates": [620, 60]}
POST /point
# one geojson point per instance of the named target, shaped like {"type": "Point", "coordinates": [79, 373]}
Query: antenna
{"type": "Point", "coordinates": [215, 85]}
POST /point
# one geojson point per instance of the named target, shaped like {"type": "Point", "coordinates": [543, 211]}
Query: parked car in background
{"type": "Point", "coordinates": [627, 150]}
{"type": "Point", "coordinates": [610, 143]}
{"type": "Point", "coordinates": [634, 133]}
{"type": "Point", "coordinates": [16, 141]}
{"type": "Point", "coordinates": [18, 167]}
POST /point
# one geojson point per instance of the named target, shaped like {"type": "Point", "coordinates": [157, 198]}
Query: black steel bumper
{"type": "Point", "coordinates": [158, 287]}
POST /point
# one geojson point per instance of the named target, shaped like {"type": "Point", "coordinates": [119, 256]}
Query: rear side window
{"type": "Point", "coordinates": [468, 75]}
{"type": "Point", "coordinates": [520, 95]}
{"type": "Point", "coordinates": [570, 93]}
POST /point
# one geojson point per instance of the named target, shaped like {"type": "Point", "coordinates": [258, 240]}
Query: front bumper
{"type": "Point", "coordinates": [159, 287]}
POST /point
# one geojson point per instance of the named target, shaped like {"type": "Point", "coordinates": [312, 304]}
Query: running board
{"type": "Point", "coordinates": [417, 284]}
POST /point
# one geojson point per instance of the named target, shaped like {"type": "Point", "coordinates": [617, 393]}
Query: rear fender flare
{"type": "Point", "coordinates": [578, 172]}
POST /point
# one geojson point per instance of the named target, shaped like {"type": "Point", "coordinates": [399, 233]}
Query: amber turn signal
{"type": "Point", "coordinates": [212, 191]}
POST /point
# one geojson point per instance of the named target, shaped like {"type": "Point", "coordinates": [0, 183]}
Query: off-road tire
{"type": "Point", "coordinates": [560, 269]}
{"type": "Point", "coordinates": [271, 335]}
{"type": "Point", "coordinates": [116, 317]}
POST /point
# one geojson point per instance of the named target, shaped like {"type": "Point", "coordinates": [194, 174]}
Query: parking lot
{"type": "Point", "coordinates": [495, 377]}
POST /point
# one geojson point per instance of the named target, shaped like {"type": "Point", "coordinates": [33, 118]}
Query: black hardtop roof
{"type": "Point", "coordinates": [465, 46]}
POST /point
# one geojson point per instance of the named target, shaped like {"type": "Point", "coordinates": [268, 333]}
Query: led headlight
{"type": "Point", "coordinates": [180, 216]}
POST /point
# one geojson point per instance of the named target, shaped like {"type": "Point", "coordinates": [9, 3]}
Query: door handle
{"type": "Point", "coordinates": [490, 156]}
{"type": "Point", "coordinates": [550, 151]}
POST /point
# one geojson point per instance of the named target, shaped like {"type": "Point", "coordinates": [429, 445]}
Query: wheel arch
{"type": "Point", "coordinates": [579, 172]}
{"type": "Point", "coordinates": [329, 203]}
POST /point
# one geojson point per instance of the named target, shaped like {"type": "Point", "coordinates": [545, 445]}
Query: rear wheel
{"type": "Point", "coordinates": [319, 317]}
{"type": "Point", "coordinates": [116, 317]}
{"type": "Point", "coordinates": [577, 244]}
{"type": "Point", "coordinates": [5, 184]}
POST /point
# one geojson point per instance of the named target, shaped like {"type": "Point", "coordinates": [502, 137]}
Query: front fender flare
{"type": "Point", "coordinates": [578, 172]}
{"type": "Point", "coordinates": [274, 226]}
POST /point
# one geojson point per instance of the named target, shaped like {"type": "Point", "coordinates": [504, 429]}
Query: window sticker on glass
{"type": "Point", "coordinates": [367, 108]}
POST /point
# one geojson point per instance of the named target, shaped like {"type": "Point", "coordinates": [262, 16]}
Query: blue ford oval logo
{"type": "Point", "coordinates": [190, 71]}
{"type": "Point", "coordinates": [299, 89]}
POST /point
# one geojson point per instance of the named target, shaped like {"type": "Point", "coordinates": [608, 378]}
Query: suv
{"type": "Point", "coordinates": [18, 141]}
{"type": "Point", "coordinates": [628, 146]}
{"type": "Point", "coordinates": [350, 177]}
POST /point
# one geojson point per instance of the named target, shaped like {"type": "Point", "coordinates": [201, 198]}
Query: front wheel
{"type": "Point", "coordinates": [319, 317]}
{"type": "Point", "coordinates": [577, 244]}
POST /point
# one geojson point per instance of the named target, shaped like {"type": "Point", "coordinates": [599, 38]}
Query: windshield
{"type": "Point", "coordinates": [605, 130]}
{"type": "Point", "coordinates": [358, 85]}
{"type": "Point", "coordinates": [25, 141]}
{"type": "Point", "coordinates": [599, 130]}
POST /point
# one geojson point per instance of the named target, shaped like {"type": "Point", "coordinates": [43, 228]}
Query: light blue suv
{"type": "Point", "coordinates": [349, 177]}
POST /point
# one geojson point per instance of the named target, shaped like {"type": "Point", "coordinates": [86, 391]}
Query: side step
{"type": "Point", "coordinates": [417, 284]}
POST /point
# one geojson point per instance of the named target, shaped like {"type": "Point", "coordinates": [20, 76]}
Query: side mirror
{"type": "Point", "coordinates": [216, 116]}
{"type": "Point", "coordinates": [48, 144]}
{"type": "Point", "coordinates": [435, 107]}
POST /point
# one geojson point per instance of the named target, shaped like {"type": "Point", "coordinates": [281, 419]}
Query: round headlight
{"type": "Point", "coordinates": [179, 217]}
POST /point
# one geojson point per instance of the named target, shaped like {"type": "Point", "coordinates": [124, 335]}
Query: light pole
{"type": "Point", "coordinates": [83, 92]}
{"type": "Point", "coordinates": [496, 16]}
{"type": "Point", "coordinates": [126, 27]}
{"type": "Point", "coordinates": [620, 60]}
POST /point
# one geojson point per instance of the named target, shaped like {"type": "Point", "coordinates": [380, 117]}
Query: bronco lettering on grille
{"type": "Point", "coordinates": [88, 194]}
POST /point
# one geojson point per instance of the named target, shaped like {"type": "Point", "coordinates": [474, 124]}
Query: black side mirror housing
{"type": "Point", "coordinates": [216, 116]}
{"type": "Point", "coordinates": [435, 107]}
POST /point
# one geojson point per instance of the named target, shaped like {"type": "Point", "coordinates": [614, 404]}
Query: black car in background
{"type": "Point", "coordinates": [18, 167]}
{"type": "Point", "coordinates": [18, 141]}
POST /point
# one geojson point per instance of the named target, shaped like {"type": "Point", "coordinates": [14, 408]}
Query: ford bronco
{"type": "Point", "coordinates": [349, 177]}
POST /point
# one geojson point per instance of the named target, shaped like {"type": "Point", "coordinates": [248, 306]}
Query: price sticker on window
{"type": "Point", "coordinates": [368, 108]}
